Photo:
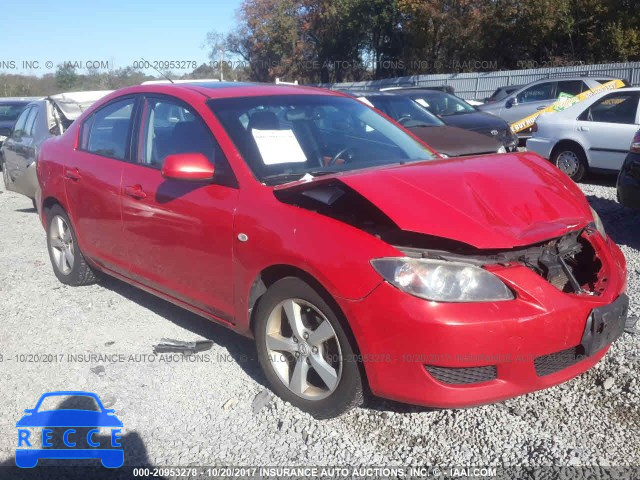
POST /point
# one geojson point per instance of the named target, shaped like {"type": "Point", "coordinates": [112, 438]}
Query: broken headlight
{"type": "Point", "coordinates": [597, 223]}
{"type": "Point", "coordinates": [442, 281]}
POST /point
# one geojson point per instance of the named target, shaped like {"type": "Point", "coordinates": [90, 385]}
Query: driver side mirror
{"type": "Point", "coordinates": [511, 102]}
{"type": "Point", "coordinates": [187, 166]}
{"type": "Point", "coordinates": [5, 132]}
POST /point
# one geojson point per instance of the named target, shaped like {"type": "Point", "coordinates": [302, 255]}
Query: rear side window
{"type": "Point", "coordinates": [31, 121]}
{"type": "Point", "coordinates": [614, 108]}
{"type": "Point", "coordinates": [18, 129]}
{"type": "Point", "coordinates": [571, 87]}
{"type": "Point", "coordinates": [108, 130]}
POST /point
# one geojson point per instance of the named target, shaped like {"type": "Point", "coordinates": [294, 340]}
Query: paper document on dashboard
{"type": "Point", "coordinates": [278, 146]}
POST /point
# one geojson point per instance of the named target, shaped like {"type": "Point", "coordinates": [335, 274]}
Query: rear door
{"type": "Point", "coordinates": [179, 234]}
{"type": "Point", "coordinates": [93, 175]}
{"type": "Point", "coordinates": [607, 128]}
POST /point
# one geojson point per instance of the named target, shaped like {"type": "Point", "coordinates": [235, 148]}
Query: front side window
{"type": "Point", "coordinates": [170, 127]}
{"type": "Point", "coordinates": [107, 131]}
{"type": "Point", "coordinates": [613, 108]}
{"type": "Point", "coordinates": [536, 93]}
{"type": "Point", "coordinates": [284, 137]}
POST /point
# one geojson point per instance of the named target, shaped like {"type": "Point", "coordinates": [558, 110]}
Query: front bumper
{"type": "Point", "coordinates": [521, 342]}
{"type": "Point", "coordinates": [541, 146]}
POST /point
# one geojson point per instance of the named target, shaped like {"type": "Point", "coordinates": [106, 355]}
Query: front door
{"type": "Point", "coordinates": [179, 234]}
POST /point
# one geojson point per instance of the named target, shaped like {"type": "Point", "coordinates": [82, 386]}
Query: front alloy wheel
{"type": "Point", "coordinates": [305, 351]}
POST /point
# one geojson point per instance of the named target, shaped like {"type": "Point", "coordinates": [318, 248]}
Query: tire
{"type": "Point", "coordinates": [282, 353]}
{"type": "Point", "coordinates": [71, 270]}
{"type": "Point", "coordinates": [570, 159]}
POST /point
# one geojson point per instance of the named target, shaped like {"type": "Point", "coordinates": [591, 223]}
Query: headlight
{"type": "Point", "coordinates": [442, 281]}
{"type": "Point", "coordinates": [502, 149]}
{"type": "Point", "coordinates": [597, 223]}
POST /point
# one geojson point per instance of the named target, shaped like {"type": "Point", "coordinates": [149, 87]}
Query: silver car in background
{"type": "Point", "coordinates": [40, 120]}
{"type": "Point", "coordinates": [594, 134]}
{"type": "Point", "coordinates": [538, 95]}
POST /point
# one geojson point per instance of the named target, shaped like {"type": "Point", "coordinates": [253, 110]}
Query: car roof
{"type": "Point", "coordinates": [228, 89]}
{"type": "Point", "coordinates": [423, 91]}
{"type": "Point", "coordinates": [366, 93]}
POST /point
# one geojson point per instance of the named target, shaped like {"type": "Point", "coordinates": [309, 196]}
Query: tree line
{"type": "Point", "coordinates": [349, 40]}
{"type": "Point", "coordinates": [343, 40]}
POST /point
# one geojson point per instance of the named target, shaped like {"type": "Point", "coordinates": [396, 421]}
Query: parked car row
{"type": "Point", "coordinates": [37, 121]}
{"type": "Point", "coordinates": [10, 110]}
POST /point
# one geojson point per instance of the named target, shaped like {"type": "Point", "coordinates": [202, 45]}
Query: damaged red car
{"type": "Point", "coordinates": [358, 258]}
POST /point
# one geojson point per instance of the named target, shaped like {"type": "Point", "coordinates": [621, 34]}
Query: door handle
{"type": "Point", "coordinates": [583, 129]}
{"type": "Point", "coordinates": [73, 174]}
{"type": "Point", "coordinates": [135, 191]}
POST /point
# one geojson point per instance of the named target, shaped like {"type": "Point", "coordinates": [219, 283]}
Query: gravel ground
{"type": "Point", "coordinates": [216, 410]}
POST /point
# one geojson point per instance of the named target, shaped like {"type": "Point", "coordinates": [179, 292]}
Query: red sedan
{"type": "Point", "coordinates": [351, 252]}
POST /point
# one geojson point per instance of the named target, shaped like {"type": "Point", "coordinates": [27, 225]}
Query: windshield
{"type": "Point", "coordinates": [284, 137]}
{"type": "Point", "coordinates": [405, 111]}
{"type": "Point", "coordinates": [10, 111]}
{"type": "Point", "coordinates": [443, 104]}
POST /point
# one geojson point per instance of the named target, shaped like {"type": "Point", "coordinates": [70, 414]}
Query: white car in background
{"type": "Point", "coordinates": [594, 134]}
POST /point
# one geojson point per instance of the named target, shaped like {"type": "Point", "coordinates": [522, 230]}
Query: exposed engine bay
{"type": "Point", "coordinates": [569, 263]}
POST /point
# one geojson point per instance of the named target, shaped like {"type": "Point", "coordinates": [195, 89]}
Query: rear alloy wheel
{"type": "Point", "coordinates": [68, 262]}
{"type": "Point", "coordinates": [304, 350]}
{"type": "Point", "coordinates": [571, 161]}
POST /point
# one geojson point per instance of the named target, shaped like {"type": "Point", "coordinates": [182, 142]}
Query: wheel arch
{"type": "Point", "coordinates": [270, 275]}
{"type": "Point", "coordinates": [566, 142]}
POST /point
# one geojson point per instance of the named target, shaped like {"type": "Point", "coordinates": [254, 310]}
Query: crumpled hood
{"type": "Point", "coordinates": [490, 202]}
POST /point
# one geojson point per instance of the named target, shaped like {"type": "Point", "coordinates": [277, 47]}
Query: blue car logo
{"type": "Point", "coordinates": [65, 423]}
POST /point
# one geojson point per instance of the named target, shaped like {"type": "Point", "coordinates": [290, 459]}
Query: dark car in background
{"type": "Point", "coordinates": [10, 110]}
{"type": "Point", "coordinates": [628, 184]}
{"type": "Point", "coordinates": [456, 112]}
{"type": "Point", "coordinates": [446, 140]}
{"type": "Point", "coordinates": [38, 121]}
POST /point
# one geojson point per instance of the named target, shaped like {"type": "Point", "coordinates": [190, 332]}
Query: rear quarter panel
{"type": "Point", "coordinates": [50, 170]}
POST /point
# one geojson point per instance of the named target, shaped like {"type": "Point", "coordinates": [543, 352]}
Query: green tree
{"type": "Point", "coordinates": [66, 76]}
